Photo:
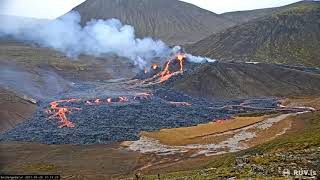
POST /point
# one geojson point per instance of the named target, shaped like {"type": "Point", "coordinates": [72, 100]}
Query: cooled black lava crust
{"type": "Point", "coordinates": [102, 124]}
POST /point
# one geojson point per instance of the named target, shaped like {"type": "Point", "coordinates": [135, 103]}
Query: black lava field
{"type": "Point", "coordinates": [102, 122]}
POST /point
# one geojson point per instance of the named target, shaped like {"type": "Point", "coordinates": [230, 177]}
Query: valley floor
{"type": "Point", "coordinates": [298, 148]}
{"type": "Point", "coordinates": [274, 141]}
{"type": "Point", "coordinates": [295, 151]}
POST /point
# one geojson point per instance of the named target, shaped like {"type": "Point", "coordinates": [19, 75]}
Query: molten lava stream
{"type": "Point", "coordinates": [181, 58]}
{"type": "Point", "coordinates": [123, 99]}
{"type": "Point", "coordinates": [61, 112]}
{"type": "Point", "coordinates": [166, 74]}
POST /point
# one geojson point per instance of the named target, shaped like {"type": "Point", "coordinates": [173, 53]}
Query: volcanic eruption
{"type": "Point", "coordinates": [174, 66]}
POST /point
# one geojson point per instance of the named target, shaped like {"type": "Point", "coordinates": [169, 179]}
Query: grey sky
{"type": "Point", "coordinates": [54, 8]}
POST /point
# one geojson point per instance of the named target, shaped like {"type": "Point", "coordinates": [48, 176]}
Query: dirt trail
{"type": "Point", "coordinates": [232, 140]}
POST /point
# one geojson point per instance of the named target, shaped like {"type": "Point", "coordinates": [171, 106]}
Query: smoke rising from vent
{"type": "Point", "coordinates": [191, 58]}
{"type": "Point", "coordinates": [97, 38]}
{"type": "Point", "coordinates": [200, 59]}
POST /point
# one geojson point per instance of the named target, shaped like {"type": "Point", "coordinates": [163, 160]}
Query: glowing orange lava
{"type": "Point", "coordinates": [123, 99]}
{"type": "Point", "coordinates": [181, 58]}
{"type": "Point", "coordinates": [61, 112]}
{"type": "Point", "coordinates": [166, 74]}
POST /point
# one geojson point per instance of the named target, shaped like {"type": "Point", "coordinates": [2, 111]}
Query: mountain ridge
{"type": "Point", "coordinates": [291, 36]}
{"type": "Point", "coordinates": [244, 16]}
{"type": "Point", "coordinates": [236, 80]}
{"type": "Point", "coordinates": [172, 21]}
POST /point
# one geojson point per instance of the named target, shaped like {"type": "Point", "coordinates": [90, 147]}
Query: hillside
{"type": "Point", "coordinates": [172, 21]}
{"type": "Point", "coordinates": [240, 17]}
{"type": "Point", "coordinates": [291, 36]}
{"type": "Point", "coordinates": [241, 80]}
{"type": "Point", "coordinates": [13, 109]}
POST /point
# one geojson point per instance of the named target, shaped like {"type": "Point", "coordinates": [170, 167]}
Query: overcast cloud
{"type": "Point", "coordinates": [50, 9]}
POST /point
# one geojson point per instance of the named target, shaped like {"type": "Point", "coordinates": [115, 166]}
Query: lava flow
{"type": "Point", "coordinates": [57, 112]}
{"type": "Point", "coordinates": [166, 73]}
{"type": "Point", "coordinates": [123, 99]}
{"type": "Point", "coordinates": [61, 112]}
{"type": "Point", "coordinates": [181, 58]}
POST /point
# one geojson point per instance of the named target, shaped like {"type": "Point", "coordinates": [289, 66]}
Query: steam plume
{"type": "Point", "coordinates": [191, 58]}
{"type": "Point", "coordinates": [200, 59]}
{"type": "Point", "coordinates": [97, 38]}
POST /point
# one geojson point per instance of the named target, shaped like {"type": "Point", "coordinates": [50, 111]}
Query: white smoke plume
{"type": "Point", "coordinates": [200, 59]}
{"type": "Point", "coordinates": [191, 58]}
{"type": "Point", "coordinates": [96, 38]}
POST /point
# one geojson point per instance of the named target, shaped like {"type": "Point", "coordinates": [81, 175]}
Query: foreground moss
{"type": "Point", "coordinates": [298, 149]}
